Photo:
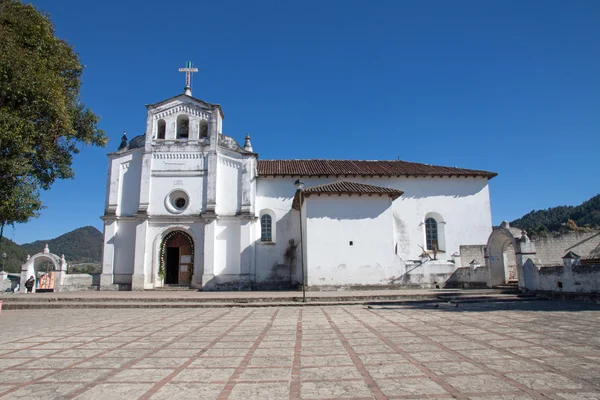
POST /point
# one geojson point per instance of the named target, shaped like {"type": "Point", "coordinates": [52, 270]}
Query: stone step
{"type": "Point", "coordinates": [220, 297]}
{"type": "Point", "coordinates": [297, 302]}
{"type": "Point", "coordinates": [174, 288]}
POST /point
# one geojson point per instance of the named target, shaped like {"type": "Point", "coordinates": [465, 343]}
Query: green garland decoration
{"type": "Point", "coordinates": [163, 247]}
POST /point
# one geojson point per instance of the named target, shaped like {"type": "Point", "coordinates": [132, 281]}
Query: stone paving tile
{"type": "Point", "coordinates": [334, 389]}
{"type": "Point", "coordinates": [259, 391]}
{"type": "Point", "coordinates": [448, 368]}
{"type": "Point", "coordinates": [393, 370]}
{"type": "Point", "coordinates": [44, 391]}
{"type": "Point", "coordinates": [479, 383]}
{"type": "Point", "coordinates": [115, 391]}
{"type": "Point", "coordinates": [76, 375]}
{"type": "Point", "coordinates": [216, 362]}
{"type": "Point", "coordinates": [503, 397]}
{"type": "Point", "coordinates": [492, 351]}
{"type": "Point", "coordinates": [24, 375]}
{"type": "Point", "coordinates": [325, 373]}
{"type": "Point", "coordinates": [204, 375]}
{"type": "Point", "coordinates": [162, 362]}
{"type": "Point", "coordinates": [544, 380]}
{"type": "Point", "coordinates": [140, 375]}
{"type": "Point", "coordinates": [410, 386]}
{"type": "Point", "coordinates": [312, 361]}
{"type": "Point", "coordinates": [577, 396]}
{"type": "Point", "coordinates": [50, 363]}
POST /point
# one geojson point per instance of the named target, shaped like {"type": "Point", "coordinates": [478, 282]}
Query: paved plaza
{"type": "Point", "coordinates": [521, 350]}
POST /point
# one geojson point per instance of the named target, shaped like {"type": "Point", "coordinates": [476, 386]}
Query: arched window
{"type": "Point", "coordinates": [183, 127]}
{"type": "Point", "coordinates": [161, 129]}
{"type": "Point", "coordinates": [203, 129]}
{"type": "Point", "coordinates": [431, 234]}
{"type": "Point", "coordinates": [266, 228]}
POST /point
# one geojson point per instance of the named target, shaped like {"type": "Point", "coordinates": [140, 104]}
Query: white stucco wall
{"type": "Point", "coordinates": [161, 187]}
{"type": "Point", "coordinates": [228, 185]}
{"type": "Point", "coordinates": [227, 247]}
{"type": "Point", "coordinates": [124, 251]}
{"type": "Point", "coordinates": [463, 203]}
{"type": "Point", "coordinates": [130, 169]}
{"type": "Point", "coordinates": [335, 221]}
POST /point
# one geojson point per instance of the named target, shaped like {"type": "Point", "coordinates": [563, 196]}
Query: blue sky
{"type": "Point", "coordinates": [506, 86]}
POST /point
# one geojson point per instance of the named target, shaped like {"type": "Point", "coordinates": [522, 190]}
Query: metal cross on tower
{"type": "Point", "coordinates": [188, 77]}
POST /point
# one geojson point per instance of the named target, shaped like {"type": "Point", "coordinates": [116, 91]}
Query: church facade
{"type": "Point", "coordinates": [188, 205]}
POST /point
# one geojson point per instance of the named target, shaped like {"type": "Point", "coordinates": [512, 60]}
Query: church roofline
{"type": "Point", "coordinates": [160, 103]}
{"type": "Point", "coordinates": [362, 168]}
{"type": "Point", "coordinates": [346, 188]}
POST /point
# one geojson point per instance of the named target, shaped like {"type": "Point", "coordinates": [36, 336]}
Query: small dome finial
{"type": "Point", "coordinates": [247, 144]}
{"type": "Point", "coordinates": [123, 141]}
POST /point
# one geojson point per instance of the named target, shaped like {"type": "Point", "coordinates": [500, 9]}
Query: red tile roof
{"type": "Point", "coordinates": [361, 168]}
{"type": "Point", "coordinates": [344, 187]}
{"type": "Point", "coordinates": [352, 188]}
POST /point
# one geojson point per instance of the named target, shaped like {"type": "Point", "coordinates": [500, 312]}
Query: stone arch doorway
{"type": "Point", "coordinates": [507, 250]}
{"type": "Point", "coordinates": [501, 257]}
{"type": "Point", "coordinates": [177, 258]}
{"type": "Point", "coordinates": [46, 268]}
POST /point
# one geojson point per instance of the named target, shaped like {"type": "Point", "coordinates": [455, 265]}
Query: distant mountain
{"type": "Point", "coordinates": [83, 245]}
{"type": "Point", "coordinates": [561, 218]}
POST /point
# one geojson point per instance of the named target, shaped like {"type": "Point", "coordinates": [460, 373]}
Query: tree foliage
{"type": "Point", "coordinates": [15, 255]}
{"type": "Point", "coordinates": [42, 118]}
{"type": "Point", "coordinates": [562, 218]}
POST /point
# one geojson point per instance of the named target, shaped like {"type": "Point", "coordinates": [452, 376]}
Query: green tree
{"type": "Point", "coordinates": [42, 118]}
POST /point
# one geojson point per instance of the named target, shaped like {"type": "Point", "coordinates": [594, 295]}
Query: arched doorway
{"type": "Point", "coordinates": [177, 258]}
{"type": "Point", "coordinates": [500, 250]}
{"type": "Point", "coordinates": [43, 267]}
{"type": "Point", "coordinates": [507, 249]}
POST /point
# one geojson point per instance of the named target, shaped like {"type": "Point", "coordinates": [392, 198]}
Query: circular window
{"type": "Point", "coordinates": [177, 201]}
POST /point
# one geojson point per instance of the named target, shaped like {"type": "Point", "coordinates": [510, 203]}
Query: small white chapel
{"type": "Point", "coordinates": [188, 205]}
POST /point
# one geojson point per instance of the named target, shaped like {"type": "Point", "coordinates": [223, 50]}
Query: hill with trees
{"type": "Point", "coordinates": [83, 245]}
{"type": "Point", "coordinates": [15, 255]}
{"type": "Point", "coordinates": [562, 218]}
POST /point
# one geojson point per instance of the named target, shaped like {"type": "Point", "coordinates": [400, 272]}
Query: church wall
{"type": "Point", "coordinates": [124, 243]}
{"type": "Point", "coordinates": [276, 195]}
{"type": "Point", "coordinates": [463, 203]}
{"type": "Point", "coordinates": [227, 247]}
{"type": "Point", "coordinates": [349, 240]}
{"type": "Point", "coordinates": [228, 185]}
{"type": "Point", "coordinates": [130, 171]}
{"type": "Point", "coordinates": [162, 186]}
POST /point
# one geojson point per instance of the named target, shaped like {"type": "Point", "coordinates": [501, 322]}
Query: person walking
{"type": "Point", "coordinates": [29, 284]}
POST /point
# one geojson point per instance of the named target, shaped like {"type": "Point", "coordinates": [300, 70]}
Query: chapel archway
{"type": "Point", "coordinates": [177, 258]}
{"type": "Point", "coordinates": [501, 251]}
{"type": "Point", "coordinates": [45, 267]}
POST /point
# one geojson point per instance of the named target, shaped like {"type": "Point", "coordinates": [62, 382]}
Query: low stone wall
{"type": "Point", "coordinates": [564, 278]}
{"type": "Point", "coordinates": [550, 250]}
{"type": "Point", "coordinates": [7, 284]}
{"type": "Point", "coordinates": [74, 282]}
{"type": "Point", "coordinates": [468, 277]}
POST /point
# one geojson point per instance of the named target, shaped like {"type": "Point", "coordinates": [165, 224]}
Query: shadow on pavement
{"type": "Point", "coordinates": [519, 305]}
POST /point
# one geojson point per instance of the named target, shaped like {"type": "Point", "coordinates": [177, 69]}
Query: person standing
{"type": "Point", "coordinates": [29, 284]}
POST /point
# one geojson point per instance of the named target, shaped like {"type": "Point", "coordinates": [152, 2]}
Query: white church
{"type": "Point", "coordinates": [187, 205]}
